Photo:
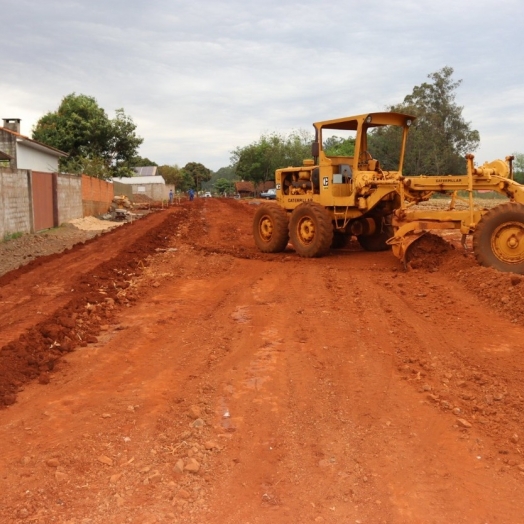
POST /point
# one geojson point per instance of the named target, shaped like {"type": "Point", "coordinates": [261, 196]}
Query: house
{"type": "Point", "coordinates": [248, 189]}
{"type": "Point", "coordinates": [153, 187]}
{"type": "Point", "coordinates": [245, 189]}
{"type": "Point", "coordinates": [262, 187]}
{"type": "Point", "coordinates": [21, 152]}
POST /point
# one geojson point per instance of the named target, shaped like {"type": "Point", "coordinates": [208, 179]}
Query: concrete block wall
{"type": "Point", "coordinates": [123, 190]}
{"type": "Point", "coordinates": [69, 197]}
{"type": "Point", "coordinates": [159, 192]}
{"type": "Point", "coordinates": [8, 146]}
{"type": "Point", "coordinates": [15, 202]}
{"type": "Point", "coordinates": [97, 196]}
{"type": "Point", "coordinates": [156, 192]}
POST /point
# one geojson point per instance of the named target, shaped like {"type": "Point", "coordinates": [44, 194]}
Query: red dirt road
{"type": "Point", "coordinates": [169, 372]}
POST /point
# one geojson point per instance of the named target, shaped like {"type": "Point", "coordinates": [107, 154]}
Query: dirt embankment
{"type": "Point", "coordinates": [167, 371]}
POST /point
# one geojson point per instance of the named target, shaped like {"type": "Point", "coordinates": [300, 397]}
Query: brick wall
{"type": "Point", "coordinates": [97, 196]}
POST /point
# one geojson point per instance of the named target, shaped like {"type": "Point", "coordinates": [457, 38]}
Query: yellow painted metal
{"type": "Point", "coordinates": [266, 228]}
{"type": "Point", "coordinates": [355, 189]}
{"type": "Point", "coordinates": [507, 242]}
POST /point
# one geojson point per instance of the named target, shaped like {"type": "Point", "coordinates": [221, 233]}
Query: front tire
{"type": "Point", "coordinates": [498, 240]}
{"type": "Point", "coordinates": [270, 228]}
{"type": "Point", "coordinates": [310, 230]}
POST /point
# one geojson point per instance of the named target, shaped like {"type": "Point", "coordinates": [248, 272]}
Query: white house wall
{"type": "Point", "coordinates": [29, 158]}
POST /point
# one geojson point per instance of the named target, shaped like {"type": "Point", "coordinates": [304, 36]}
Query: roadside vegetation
{"type": "Point", "coordinates": [103, 147]}
{"type": "Point", "coordinates": [11, 236]}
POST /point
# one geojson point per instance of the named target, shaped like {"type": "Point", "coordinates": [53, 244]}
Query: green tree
{"type": "Point", "coordinates": [96, 144]}
{"type": "Point", "coordinates": [138, 161]}
{"type": "Point", "coordinates": [258, 161]}
{"type": "Point", "coordinates": [439, 138]}
{"type": "Point", "coordinates": [225, 172]}
{"type": "Point", "coordinates": [223, 185]}
{"type": "Point", "coordinates": [198, 173]}
{"type": "Point", "coordinates": [176, 176]}
{"type": "Point", "coordinates": [518, 167]}
{"type": "Point", "coordinates": [337, 146]}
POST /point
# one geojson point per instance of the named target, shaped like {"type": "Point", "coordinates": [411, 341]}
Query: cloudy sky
{"type": "Point", "coordinates": [202, 77]}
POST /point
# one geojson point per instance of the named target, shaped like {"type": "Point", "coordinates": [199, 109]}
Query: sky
{"type": "Point", "coordinates": [201, 78]}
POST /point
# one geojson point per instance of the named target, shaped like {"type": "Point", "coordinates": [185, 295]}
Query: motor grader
{"type": "Point", "coordinates": [332, 197]}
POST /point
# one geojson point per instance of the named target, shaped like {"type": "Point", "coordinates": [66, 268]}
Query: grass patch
{"type": "Point", "coordinates": [12, 236]}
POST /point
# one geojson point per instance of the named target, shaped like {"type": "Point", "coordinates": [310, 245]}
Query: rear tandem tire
{"type": "Point", "coordinates": [498, 240]}
{"type": "Point", "coordinates": [270, 228]}
{"type": "Point", "coordinates": [310, 230]}
{"type": "Point", "coordinates": [377, 241]}
{"type": "Point", "coordinates": [340, 240]}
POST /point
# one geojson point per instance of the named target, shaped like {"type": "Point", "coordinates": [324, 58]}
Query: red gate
{"type": "Point", "coordinates": [43, 200]}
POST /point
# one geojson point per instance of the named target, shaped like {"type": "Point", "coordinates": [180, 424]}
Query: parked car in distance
{"type": "Point", "coordinates": [208, 194]}
{"type": "Point", "coordinates": [270, 194]}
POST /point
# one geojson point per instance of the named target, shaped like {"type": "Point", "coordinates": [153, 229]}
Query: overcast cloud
{"type": "Point", "coordinates": [202, 77]}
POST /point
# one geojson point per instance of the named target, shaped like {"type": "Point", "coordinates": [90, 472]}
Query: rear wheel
{"type": "Point", "coordinates": [270, 228]}
{"type": "Point", "coordinates": [377, 240]}
{"type": "Point", "coordinates": [310, 230]}
{"type": "Point", "coordinates": [498, 241]}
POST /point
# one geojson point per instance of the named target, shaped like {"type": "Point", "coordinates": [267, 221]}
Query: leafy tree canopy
{"type": "Point", "coordinates": [337, 146]}
{"type": "Point", "coordinates": [227, 173]}
{"type": "Point", "coordinates": [138, 161]}
{"type": "Point", "coordinates": [198, 173]}
{"type": "Point", "coordinates": [518, 167]}
{"type": "Point", "coordinates": [96, 145]}
{"type": "Point", "coordinates": [439, 138]}
{"type": "Point", "coordinates": [258, 161]}
{"type": "Point", "coordinates": [176, 176]}
{"type": "Point", "coordinates": [224, 186]}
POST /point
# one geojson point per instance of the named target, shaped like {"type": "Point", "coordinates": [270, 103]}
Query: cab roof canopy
{"type": "Point", "coordinates": [351, 123]}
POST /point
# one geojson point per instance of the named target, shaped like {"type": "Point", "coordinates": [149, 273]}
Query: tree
{"type": "Point", "coordinates": [176, 176]}
{"type": "Point", "coordinates": [198, 173]}
{"type": "Point", "coordinates": [439, 138]}
{"type": "Point", "coordinates": [96, 145]}
{"type": "Point", "coordinates": [337, 146]}
{"type": "Point", "coordinates": [258, 161]}
{"type": "Point", "coordinates": [138, 161]}
{"type": "Point", "coordinates": [518, 167]}
{"type": "Point", "coordinates": [223, 185]}
{"type": "Point", "coordinates": [227, 173]}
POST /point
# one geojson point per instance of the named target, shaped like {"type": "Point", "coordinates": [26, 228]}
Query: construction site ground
{"type": "Point", "coordinates": [168, 372]}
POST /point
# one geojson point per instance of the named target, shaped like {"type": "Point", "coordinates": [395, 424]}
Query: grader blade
{"type": "Point", "coordinates": [402, 247]}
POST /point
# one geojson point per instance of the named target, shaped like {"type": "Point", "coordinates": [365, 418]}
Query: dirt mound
{"type": "Point", "coordinates": [28, 248]}
{"type": "Point", "coordinates": [94, 298]}
{"type": "Point", "coordinates": [93, 224]}
{"type": "Point", "coordinates": [428, 252]}
{"type": "Point", "coordinates": [141, 199]}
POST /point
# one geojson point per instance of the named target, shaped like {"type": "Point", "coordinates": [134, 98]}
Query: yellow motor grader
{"type": "Point", "coordinates": [331, 198]}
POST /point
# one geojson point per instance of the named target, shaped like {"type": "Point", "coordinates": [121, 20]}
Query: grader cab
{"type": "Point", "coordinates": [336, 195]}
